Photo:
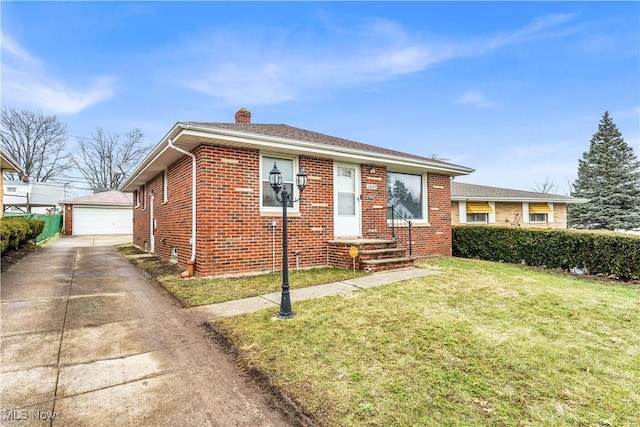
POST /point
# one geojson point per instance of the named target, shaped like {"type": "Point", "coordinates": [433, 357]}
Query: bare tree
{"type": "Point", "coordinates": [547, 187]}
{"type": "Point", "coordinates": [105, 159]}
{"type": "Point", "coordinates": [37, 142]}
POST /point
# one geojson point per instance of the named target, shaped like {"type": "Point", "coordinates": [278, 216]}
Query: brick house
{"type": "Point", "coordinates": [203, 196]}
{"type": "Point", "coordinates": [484, 205]}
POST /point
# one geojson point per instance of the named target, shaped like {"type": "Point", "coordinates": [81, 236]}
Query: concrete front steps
{"type": "Point", "coordinates": [373, 254]}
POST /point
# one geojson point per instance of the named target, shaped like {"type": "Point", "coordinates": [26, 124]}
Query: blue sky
{"type": "Point", "coordinates": [512, 89]}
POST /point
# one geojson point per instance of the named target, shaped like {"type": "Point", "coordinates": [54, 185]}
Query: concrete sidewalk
{"type": "Point", "coordinates": [250, 305]}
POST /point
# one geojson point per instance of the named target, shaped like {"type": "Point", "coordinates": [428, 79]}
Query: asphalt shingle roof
{"type": "Point", "coordinates": [460, 190]}
{"type": "Point", "coordinates": [113, 197]}
{"type": "Point", "coordinates": [298, 134]}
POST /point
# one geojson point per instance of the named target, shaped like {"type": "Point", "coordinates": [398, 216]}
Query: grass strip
{"type": "Point", "coordinates": [200, 291]}
{"type": "Point", "coordinates": [195, 291]}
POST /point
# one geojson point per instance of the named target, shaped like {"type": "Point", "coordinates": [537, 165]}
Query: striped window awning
{"type": "Point", "coordinates": [478, 207]}
{"type": "Point", "coordinates": [539, 208]}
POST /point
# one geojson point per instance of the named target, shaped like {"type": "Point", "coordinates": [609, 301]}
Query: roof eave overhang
{"type": "Point", "coordinates": [94, 204]}
{"type": "Point", "coordinates": [189, 136]}
{"type": "Point", "coordinates": [33, 205]}
{"type": "Point", "coordinates": [9, 164]}
{"type": "Point", "coordinates": [455, 198]}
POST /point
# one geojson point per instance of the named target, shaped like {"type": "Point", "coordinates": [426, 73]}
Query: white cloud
{"type": "Point", "coordinates": [261, 84]}
{"type": "Point", "coordinates": [268, 66]}
{"type": "Point", "coordinates": [404, 60]}
{"type": "Point", "coordinates": [25, 82]}
{"type": "Point", "coordinates": [10, 47]}
{"type": "Point", "coordinates": [475, 98]}
{"type": "Point", "coordinates": [541, 27]}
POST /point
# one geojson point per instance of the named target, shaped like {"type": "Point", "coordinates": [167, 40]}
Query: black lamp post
{"type": "Point", "coordinates": [283, 196]}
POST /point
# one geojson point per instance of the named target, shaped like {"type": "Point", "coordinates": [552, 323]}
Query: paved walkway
{"type": "Point", "coordinates": [249, 305]}
{"type": "Point", "coordinates": [88, 341]}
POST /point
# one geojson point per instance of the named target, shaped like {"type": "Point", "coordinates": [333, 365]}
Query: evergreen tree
{"type": "Point", "coordinates": [609, 176]}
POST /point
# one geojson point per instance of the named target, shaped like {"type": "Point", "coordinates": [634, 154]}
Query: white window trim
{"type": "Point", "coordinates": [296, 193]}
{"type": "Point", "coordinates": [165, 186]}
{"type": "Point", "coordinates": [138, 197]}
{"type": "Point", "coordinates": [462, 213]}
{"type": "Point", "coordinates": [525, 214]}
{"type": "Point", "coordinates": [492, 214]}
{"type": "Point", "coordinates": [425, 199]}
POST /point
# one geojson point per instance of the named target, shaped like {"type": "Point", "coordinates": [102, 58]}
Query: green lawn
{"type": "Point", "coordinates": [479, 344]}
{"type": "Point", "coordinates": [196, 291]}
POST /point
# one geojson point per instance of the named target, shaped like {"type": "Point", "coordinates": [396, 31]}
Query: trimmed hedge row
{"type": "Point", "coordinates": [595, 253]}
{"type": "Point", "coordinates": [17, 231]}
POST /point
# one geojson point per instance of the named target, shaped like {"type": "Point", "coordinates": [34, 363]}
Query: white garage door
{"type": "Point", "coordinates": [102, 220]}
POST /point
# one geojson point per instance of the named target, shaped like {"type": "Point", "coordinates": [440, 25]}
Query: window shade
{"type": "Point", "coordinates": [539, 208]}
{"type": "Point", "coordinates": [478, 207]}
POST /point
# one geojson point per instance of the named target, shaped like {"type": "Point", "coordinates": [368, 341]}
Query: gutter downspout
{"type": "Point", "coordinates": [191, 263]}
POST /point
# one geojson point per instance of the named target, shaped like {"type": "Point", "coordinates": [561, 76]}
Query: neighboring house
{"type": "Point", "coordinates": [203, 195]}
{"type": "Point", "coordinates": [109, 212]}
{"type": "Point", "coordinates": [480, 204]}
{"type": "Point", "coordinates": [7, 164]}
{"type": "Point", "coordinates": [32, 197]}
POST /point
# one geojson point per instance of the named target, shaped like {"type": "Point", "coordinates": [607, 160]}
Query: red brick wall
{"type": "Point", "coordinates": [436, 239]}
{"type": "Point", "coordinates": [235, 237]}
{"type": "Point", "coordinates": [374, 202]}
{"type": "Point", "coordinates": [173, 219]}
{"type": "Point", "coordinates": [432, 238]}
{"type": "Point", "coordinates": [141, 222]}
{"type": "Point", "coordinates": [68, 220]}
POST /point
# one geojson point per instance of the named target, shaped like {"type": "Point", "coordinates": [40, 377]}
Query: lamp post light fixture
{"type": "Point", "coordinates": [283, 197]}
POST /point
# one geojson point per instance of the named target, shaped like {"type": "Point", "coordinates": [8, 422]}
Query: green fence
{"type": "Point", "coordinates": [52, 224]}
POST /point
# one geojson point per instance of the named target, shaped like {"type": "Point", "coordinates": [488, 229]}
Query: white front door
{"type": "Point", "coordinates": [346, 184]}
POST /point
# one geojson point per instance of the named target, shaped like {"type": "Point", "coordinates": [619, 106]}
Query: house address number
{"type": "Point", "coordinates": [372, 186]}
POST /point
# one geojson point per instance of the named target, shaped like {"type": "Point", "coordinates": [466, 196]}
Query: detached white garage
{"type": "Point", "coordinates": [110, 212]}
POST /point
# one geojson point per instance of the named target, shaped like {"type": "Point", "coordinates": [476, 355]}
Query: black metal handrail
{"type": "Point", "coordinates": [396, 225]}
{"type": "Point", "coordinates": [395, 218]}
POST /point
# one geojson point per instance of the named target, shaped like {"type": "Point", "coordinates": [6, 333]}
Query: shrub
{"type": "Point", "coordinates": [36, 226]}
{"type": "Point", "coordinates": [17, 231]}
{"type": "Point", "coordinates": [597, 253]}
{"type": "Point", "coordinates": [5, 235]}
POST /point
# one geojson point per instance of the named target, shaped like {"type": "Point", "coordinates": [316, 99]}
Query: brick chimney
{"type": "Point", "coordinates": [243, 116]}
{"type": "Point", "coordinates": [25, 178]}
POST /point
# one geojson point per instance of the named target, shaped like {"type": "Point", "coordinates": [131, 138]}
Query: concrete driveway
{"type": "Point", "coordinates": [87, 340]}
